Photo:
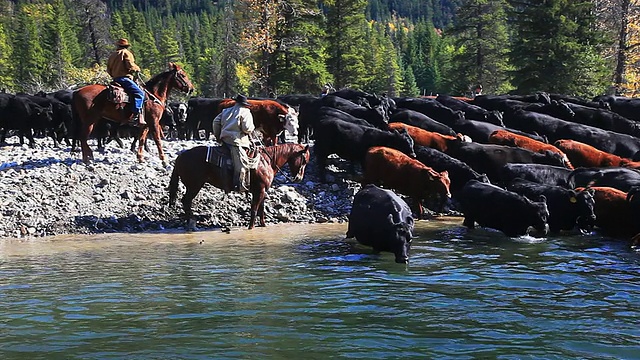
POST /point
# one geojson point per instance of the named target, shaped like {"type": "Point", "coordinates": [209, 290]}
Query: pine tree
{"type": "Point", "coordinates": [27, 47]}
{"type": "Point", "coordinates": [410, 87]}
{"type": "Point", "coordinates": [345, 28]}
{"type": "Point", "coordinates": [482, 38]}
{"type": "Point", "coordinates": [299, 64]}
{"type": "Point", "coordinates": [556, 48]}
{"type": "Point", "coordinates": [6, 63]}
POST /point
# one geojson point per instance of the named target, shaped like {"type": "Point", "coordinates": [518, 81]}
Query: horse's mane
{"type": "Point", "coordinates": [156, 79]}
{"type": "Point", "coordinates": [277, 150]}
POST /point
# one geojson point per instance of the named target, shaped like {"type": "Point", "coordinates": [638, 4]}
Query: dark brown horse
{"type": "Point", "coordinates": [191, 167]}
{"type": "Point", "coordinates": [90, 104]}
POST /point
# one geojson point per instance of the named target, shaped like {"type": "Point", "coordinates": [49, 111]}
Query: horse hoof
{"type": "Point", "coordinates": [191, 225]}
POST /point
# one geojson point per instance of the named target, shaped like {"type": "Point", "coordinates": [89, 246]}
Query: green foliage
{"type": "Point", "coordinates": [481, 40]}
{"type": "Point", "coordinates": [401, 47]}
{"type": "Point", "coordinates": [346, 24]}
{"type": "Point", "coordinates": [556, 47]}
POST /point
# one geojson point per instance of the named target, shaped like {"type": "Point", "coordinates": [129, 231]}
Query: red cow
{"type": "Point", "coordinates": [269, 116]}
{"type": "Point", "coordinates": [426, 138]}
{"type": "Point", "coordinates": [504, 137]}
{"type": "Point", "coordinates": [613, 212]}
{"type": "Point", "coordinates": [393, 169]}
{"type": "Point", "coordinates": [583, 155]}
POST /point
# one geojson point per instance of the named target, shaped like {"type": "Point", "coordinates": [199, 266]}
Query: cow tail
{"type": "Point", "coordinates": [173, 183]}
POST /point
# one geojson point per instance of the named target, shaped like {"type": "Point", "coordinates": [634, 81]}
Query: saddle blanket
{"type": "Point", "coordinates": [219, 156]}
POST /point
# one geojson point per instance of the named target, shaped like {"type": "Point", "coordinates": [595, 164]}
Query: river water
{"type": "Point", "coordinates": [302, 291]}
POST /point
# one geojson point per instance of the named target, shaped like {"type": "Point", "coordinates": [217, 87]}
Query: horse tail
{"type": "Point", "coordinates": [173, 183]}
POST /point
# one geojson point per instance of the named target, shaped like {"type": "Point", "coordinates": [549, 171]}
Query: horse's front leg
{"type": "Point", "coordinates": [257, 202]}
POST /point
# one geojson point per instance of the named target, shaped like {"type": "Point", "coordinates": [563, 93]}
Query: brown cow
{"type": "Point", "coordinates": [269, 116]}
{"type": "Point", "coordinates": [426, 138]}
{"type": "Point", "coordinates": [504, 137]}
{"type": "Point", "coordinates": [583, 155]}
{"type": "Point", "coordinates": [393, 169]}
{"type": "Point", "coordinates": [613, 212]}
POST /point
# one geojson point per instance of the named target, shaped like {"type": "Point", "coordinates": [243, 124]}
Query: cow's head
{"type": "Point", "coordinates": [400, 235]}
{"type": "Point", "coordinates": [290, 120]}
{"type": "Point", "coordinates": [495, 117]}
{"type": "Point", "coordinates": [403, 141]}
{"type": "Point", "coordinates": [539, 216]}
{"type": "Point", "coordinates": [584, 202]}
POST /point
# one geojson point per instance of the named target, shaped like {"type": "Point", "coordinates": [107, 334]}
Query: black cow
{"type": "Point", "coordinates": [459, 172]}
{"type": "Point", "coordinates": [326, 111]}
{"type": "Point", "coordinates": [21, 114]}
{"type": "Point", "coordinates": [509, 103]}
{"type": "Point", "coordinates": [627, 107]}
{"type": "Point", "coordinates": [368, 100]}
{"type": "Point", "coordinates": [175, 118]}
{"type": "Point", "coordinates": [493, 207]}
{"type": "Point", "coordinates": [61, 125]}
{"type": "Point", "coordinates": [431, 108]}
{"type": "Point", "coordinates": [600, 118]}
{"type": "Point", "coordinates": [490, 159]}
{"type": "Point", "coordinates": [418, 119]}
{"type": "Point", "coordinates": [580, 101]}
{"type": "Point", "coordinates": [381, 219]}
{"type": "Point", "coordinates": [200, 115]}
{"type": "Point", "coordinates": [375, 116]}
{"type": "Point", "coordinates": [616, 177]}
{"type": "Point", "coordinates": [351, 141]}
{"type": "Point", "coordinates": [471, 111]}
{"type": "Point", "coordinates": [555, 129]}
{"type": "Point", "coordinates": [538, 173]}
{"type": "Point", "coordinates": [567, 207]}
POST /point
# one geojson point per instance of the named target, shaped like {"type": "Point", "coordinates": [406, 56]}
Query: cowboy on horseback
{"type": "Point", "coordinates": [232, 127]}
{"type": "Point", "coordinates": [121, 66]}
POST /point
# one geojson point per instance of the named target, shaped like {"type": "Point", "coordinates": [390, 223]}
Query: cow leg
{"type": "Point", "coordinates": [469, 222]}
{"type": "Point", "coordinates": [27, 132]}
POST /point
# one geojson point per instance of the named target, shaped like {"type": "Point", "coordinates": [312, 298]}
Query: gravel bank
{"type": "Point", "coordinates": [48, 191]}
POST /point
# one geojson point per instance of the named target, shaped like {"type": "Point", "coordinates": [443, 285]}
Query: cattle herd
{"type": "Point", "coordinates": [540, 162]}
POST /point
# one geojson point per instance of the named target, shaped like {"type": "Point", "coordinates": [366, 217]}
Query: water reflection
{"type": "Point", "coordinates": [302, 290]}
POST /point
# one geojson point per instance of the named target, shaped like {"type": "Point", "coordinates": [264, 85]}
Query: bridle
{"type": "Point", "coordinates": [278, 169]}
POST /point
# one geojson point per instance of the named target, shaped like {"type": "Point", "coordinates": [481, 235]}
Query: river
{"type": "Point", "coordinates": [301, 291]}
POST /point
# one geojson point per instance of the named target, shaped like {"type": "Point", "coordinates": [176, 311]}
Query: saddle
{"type": "Point", "coordinates": [116, 94]}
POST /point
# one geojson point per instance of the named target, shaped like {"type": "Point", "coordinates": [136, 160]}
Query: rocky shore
{"type": "Point", "coordinates": [49, 191]}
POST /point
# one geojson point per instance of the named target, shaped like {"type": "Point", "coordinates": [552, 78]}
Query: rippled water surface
{"type": "Point", "coordinates": [301, 291]}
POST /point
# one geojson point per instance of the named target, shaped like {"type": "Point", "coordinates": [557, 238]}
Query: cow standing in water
{"type": "Point", "coordinates": [381, 219]}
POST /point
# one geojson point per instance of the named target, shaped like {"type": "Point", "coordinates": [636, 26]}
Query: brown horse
{"type": "Point", "coordinates": [192, 168]}
{"type": "Point", "coordinates": [90, 104]}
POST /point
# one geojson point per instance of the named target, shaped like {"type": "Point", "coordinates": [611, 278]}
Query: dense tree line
{"type": "Point", "coordinates": [260, 47]}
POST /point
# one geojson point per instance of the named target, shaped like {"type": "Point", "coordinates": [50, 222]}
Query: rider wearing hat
{"type": "Point", "coordinates": [121, 66]}
{"type": "Point", "coordinates": [232, 127]}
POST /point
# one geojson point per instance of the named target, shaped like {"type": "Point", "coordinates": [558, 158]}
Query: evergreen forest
{"type": "Point", "coordinates": [265, 47]}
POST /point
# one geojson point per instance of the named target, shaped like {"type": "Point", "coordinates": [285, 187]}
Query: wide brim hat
{"type": "Point", "coordinates": [242, 100]}
{"type": "Point", "coordinates": [123, 42]}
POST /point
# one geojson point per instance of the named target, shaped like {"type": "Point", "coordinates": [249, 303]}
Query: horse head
{"type": "Point", "coordinates": [182, 81]}
{"type": "Point", "coordinates": [298, 161]}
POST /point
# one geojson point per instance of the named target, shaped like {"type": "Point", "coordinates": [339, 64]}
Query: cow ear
{"type": "Point", "coordinates": [390, 219]}
{"type": "Point", "coordinates": [444, 173]}
{"type": "Point", "coordinates": [542, 198]}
